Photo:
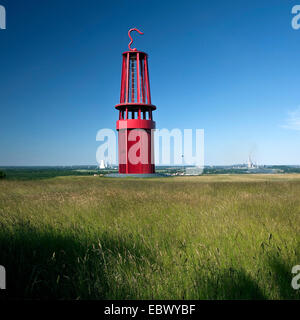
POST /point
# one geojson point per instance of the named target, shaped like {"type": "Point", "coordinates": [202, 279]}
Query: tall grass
{"type": "Point", "coordinates": [210, 237]}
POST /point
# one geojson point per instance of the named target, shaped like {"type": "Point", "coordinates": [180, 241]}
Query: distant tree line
{"type": "Point", "coordinates": [37, 173]}
{"type": "Point", "coordinates": [2, 174]}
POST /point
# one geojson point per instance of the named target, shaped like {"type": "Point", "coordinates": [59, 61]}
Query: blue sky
{"type": "Point", "coordinates": [229, 67]}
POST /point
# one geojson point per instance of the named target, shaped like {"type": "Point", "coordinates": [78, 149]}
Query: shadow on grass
{"type": "Point", "coordinates": [52, 265]}
{"type": "Point", "coordinates": [55, 266]}
{"type": "Point", "coordinates": [237, 284]}
{"type": "Point", "coordinates": [229, 284]}
{"type": "Point", "coordinates": [282, 276]}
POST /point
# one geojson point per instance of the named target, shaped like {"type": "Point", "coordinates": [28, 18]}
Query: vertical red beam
{"type": "Point", "coordinates": [126, 148]}
{"type": "Point", "coordinates": [138, 76]}
{"type": "Point", "coordinates": [127, 80]}
{"type": "Point", "coordinates": [123, 81]}
{"type": "Point", "coordinates": [147, 80]}
{"type": "Point", "coordinates": [132, 80]}
{"type": "Point", "coordinates": [145, 76]}
{"type": "Point", "coordinates": [142, 81]}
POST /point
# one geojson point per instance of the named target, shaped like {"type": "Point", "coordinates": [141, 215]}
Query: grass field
{"type": "Point", "coordinates": [209, 237]}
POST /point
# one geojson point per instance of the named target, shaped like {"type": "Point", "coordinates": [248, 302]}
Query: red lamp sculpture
{"type": "Point", "coordinates": [135, 125]}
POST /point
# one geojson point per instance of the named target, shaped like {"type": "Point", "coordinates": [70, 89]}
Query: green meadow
{"type": "Point", "coordinates": [206, 237]}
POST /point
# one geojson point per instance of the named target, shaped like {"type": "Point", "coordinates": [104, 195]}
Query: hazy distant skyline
{"type": "Point", "coordinates": [228, 67]}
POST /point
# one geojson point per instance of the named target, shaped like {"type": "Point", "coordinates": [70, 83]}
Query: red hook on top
{"type": "Point", "coordinates": [133, 29]}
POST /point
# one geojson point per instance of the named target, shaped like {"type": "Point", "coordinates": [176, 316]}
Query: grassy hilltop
{"type": "Point", "coordinates": [207, 237]}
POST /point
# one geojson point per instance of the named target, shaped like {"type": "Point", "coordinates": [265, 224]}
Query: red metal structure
{"type": "Point", "coordinates": [136, 154]}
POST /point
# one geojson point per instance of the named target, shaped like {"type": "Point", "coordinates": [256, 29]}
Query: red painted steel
{"type": "Point", "coordinates": [138, 75]}
{"type": "Point", "coordinates": [135, 134]}
{"type": "Point", "coordinates": [129, 35]}
{"type": "Point", "coordinates": [147, 82]}
{"type": "Point", "coordinates": [127, 78]}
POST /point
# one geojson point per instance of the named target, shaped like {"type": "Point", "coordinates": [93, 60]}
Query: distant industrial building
{"type": "Point", "coordinates": [251, 164]}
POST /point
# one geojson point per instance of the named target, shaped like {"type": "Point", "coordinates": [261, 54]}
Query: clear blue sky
{"type": "Point", "coordinates": [230, 67]}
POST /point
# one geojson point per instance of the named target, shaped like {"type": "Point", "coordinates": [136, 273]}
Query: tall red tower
{"type": "Point", "coordinates": [135, 124]}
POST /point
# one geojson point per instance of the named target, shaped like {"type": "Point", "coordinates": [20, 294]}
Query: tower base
{"type": "Point", "coordinates": [132, 175]}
